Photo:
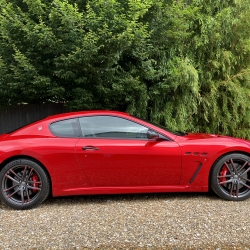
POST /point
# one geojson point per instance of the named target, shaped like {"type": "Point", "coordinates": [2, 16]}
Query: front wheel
{"type": "Point", "coordinates": [24, 184]}
{"type": "Point", "coordinates": [230, 177]}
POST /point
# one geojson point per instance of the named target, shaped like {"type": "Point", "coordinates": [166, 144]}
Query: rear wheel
{"type": "Point", "coordinates": [24, 184]}
{"type": "Point", "coordinates": [230, 177]}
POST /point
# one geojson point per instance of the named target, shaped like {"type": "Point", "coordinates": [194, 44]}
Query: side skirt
{"type": "Point", "coordinates": [130, 190]}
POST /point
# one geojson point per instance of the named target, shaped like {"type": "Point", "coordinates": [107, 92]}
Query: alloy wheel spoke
{"type": "Point", "coordinates": [24, 173]}
{"type": "Point", "coordinates": [242, 166]}
{"type": "Point", "coordinates": [237, 188]}
{"type": "Point", "coordinates": [34, 182]}
{"type": "Point", "coordinates": [228, 168]}
{"type": "Point", "coordinates": [12, 171]}
{"type": "Point", "coordinates": [224, 182]}
{"type": "Point", "coordinates": [27, 192]}
{"type": "Point", "coordinates": [245, 185]}
{"type": "Point", "coordinates": [5, 190]}
{"type": "Point", "coordinates": [246, 171]}
{"type": "Point", "coordinates": [231, 190]}
{"type": "Point", "coordinates": [232, 163]}
{"type": "Point", "coordinates": [34, 188]}
{"type": "Point", "coordinates": [13, 193]}
{"type": "Point", "coordinates": [22, 196]}
{"type": "Point", "coordinates": [9, 177]}
{"type": "Point", "coordinates": [31, 171]}
{"type": "Point", "coordinates": [224, 176]}
{"type": "Point", "coordinates": [245, 179]}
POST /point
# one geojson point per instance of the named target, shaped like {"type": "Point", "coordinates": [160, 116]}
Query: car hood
{"type": "Point", "coordinates": [195, 136]}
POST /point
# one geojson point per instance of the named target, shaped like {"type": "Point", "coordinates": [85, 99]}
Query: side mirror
{"type": "Point", "coordinates": [151, 134]}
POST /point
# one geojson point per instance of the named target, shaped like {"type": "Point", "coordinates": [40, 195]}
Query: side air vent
{"type": "Point", "coordinates": [196, 153]}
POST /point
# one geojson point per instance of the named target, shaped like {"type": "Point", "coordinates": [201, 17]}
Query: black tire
{"type": "Point", "coordinates": [230, 177]}
{"type": "Point", "coordinates": [23, 184]}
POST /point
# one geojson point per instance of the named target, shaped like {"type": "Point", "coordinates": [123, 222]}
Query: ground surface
{"type": "Point", "coordinates": [152, 221]}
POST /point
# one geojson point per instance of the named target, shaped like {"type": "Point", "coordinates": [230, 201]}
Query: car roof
{"type": "Point", "coordinates": [64, 116]}
{"type": "Point", "coordinates": [89, 112]}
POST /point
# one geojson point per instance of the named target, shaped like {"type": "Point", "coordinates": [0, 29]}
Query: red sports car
{"type": "Point", "coordinates": [107, 152]}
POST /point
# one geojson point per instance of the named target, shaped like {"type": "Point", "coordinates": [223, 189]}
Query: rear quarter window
{"type": "Point", "coordinates": [65, 128]}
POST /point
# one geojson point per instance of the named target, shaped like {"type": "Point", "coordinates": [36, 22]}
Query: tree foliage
{"type": "Point", "coordinates": [183, 63]}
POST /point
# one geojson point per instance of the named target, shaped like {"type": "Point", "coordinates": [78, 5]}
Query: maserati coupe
{"type": "Point", "coordinates": [109, 152]}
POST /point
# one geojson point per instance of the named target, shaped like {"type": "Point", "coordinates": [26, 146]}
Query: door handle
{"type": "Point", "coordinates": [90, 148]}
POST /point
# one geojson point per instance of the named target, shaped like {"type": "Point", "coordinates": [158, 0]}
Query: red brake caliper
{"type": "Point", "coordinates": [35, 184]}
{"type": "Point", "coordinates": [223, 173]}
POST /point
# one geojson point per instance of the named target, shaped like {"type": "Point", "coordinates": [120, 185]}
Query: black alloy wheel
{"type": "Point", "coordinates": [24, 184]}
{"type": "Point", "coordinates": [230, 177]}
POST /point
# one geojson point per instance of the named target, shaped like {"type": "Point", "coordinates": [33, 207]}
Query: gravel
{"type": "Point", "coordinates": [151, 221]}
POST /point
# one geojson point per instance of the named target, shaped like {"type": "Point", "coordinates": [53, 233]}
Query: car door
{"type": "Point", "coordinates": [59, 152]}
{"type": "Point", "coordinates": [116, 152]}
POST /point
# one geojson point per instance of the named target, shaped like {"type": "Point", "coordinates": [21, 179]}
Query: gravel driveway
{"type": "Point", "coordinates": [152, 221]}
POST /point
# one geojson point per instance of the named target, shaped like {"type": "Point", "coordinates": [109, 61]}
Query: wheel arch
{"type": "Point", "coordinates": [15, 157]}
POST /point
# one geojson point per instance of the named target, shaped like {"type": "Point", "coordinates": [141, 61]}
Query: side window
{"type": "Point", "coordinates": [65, 128]}
{"type": "Point", "coordinates": [111, 127]}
